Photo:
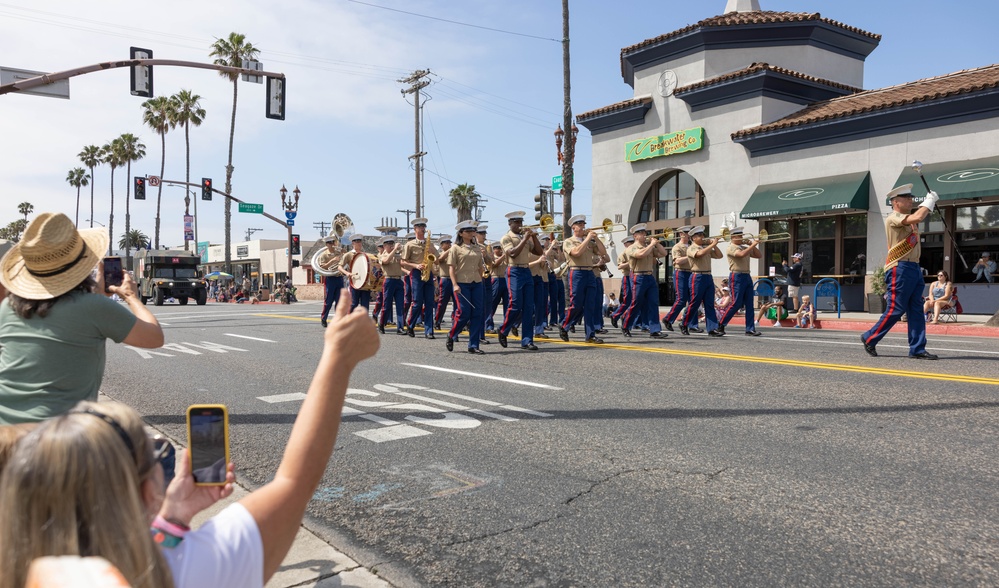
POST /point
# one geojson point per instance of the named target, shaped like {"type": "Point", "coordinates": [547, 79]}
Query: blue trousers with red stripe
{"type": "Point", "coordinates": [468, 312]}
{"type": "Point", "coordinates": [520, 283]}
{"type": "Point", "coordinates": [487, 298]}
{"type": "Point", "coordinates": [332, 286]}
{"type": "Point", "coordinates": [423, 301]}
{"type": "Point", "coordinates": [447, 295]}
{"type": "Point", "coordinates": [644, 307]}
{"type": "Point", "coordinates": [742, 298]}
{"type": "Point", "coordinates": [540, 304]}
{"type": "Point", "coordinates": [905, 296]}
{"type": "Point", "coordinates": [500, 294]}
{"type": "Point", "coordinates": [392, 293]}
{"type": "Point", "coordinates": [681, 279]}
{"type": "Point", "coordinates": [583, 301]}
{"type": "Point", "coordinates": [625, 297]}
{"type": "Point", "coordinates": [360, 297]}
{"type": "Point", "coordinates": [702, 288]}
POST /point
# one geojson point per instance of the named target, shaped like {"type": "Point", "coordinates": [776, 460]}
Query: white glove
{"type": "Point", "coordinates": [930, 202]}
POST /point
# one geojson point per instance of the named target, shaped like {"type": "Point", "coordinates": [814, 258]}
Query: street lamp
{"type": "Point", "coordinates": [565, 159]}
{"type": "Point", "coordinates": [290, 206]}
{"type": "Point", "coordinates": [88, 220]}
{"type": "Point", "coordinates": [559, 135]}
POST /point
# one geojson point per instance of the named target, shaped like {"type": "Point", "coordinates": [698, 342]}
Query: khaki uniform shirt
{"type": "Point", "coordinates": [348, 258]}
{"type": "Point", "coordinates": [440, 268]}
{"type": "Point", "coordinates": [737, 265]}
{"type": "Point", "coordinates": [413, 251]}
{"type": "Point", "coordinates": [679, 252]}
{"type": "Point", "coordinates": [390, 264]}
{"type": "Point", "coordinates": [584, 260]}
{"type": "Point", "coordinates": [698, 264]}
{"type": "Point", "coordinates": [324, 259]}
{"type": "Point", "coordinates": [897, 233]}
{"type": "Point", "coordinates": [499, 268]}
{"type": "Point", "coordinates": [538, 269]}
{"type": "Point", "coordinates": [467, 262]}
{"type": "Point", "coordinates": [644, 264]}
{"type": "Point", "coordinates": [623, 258]}
{"type": "Point", "coordinates": [553, 262]}
{"type": "Point", "coordinates": [511, 240]}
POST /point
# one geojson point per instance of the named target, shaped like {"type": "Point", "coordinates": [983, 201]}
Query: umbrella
{"type": "Point", "coordinates": [218, 276]}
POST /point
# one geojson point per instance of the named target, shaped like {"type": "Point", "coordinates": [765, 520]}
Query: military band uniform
{"type": "Point", "coordinates": [379, 293]}
{"type": "Point", "coordinates": [332, 284]}
{"type": "Point", "coordinates": [446, 289]}
{"type": "Point", "coordinates": [486, 291]}
{"type": "Point", "coordinates": [539, 274]}
{"type": "Point", "coordinates": [392, 289]}
{"type": "Point", "coordinates": [681, 281]}
{"type": "Point", "coordinates": [598, 279]}
{"type": "Point", "coordinates": [644, 306]}
{"type": "Point", "coordinates": [520, 285]}
{"type": "Point", "coordinates": [583, 301]}
{"type": "Point", "coordinates": [624, 296]}
{"type": "Point", "coordinates": [357, 297]}
{"type": "Point", "coordinates": [702, 286]}
{"type": "Point", "coordinates": [422, 291]}
{"type": "Point", "coordinates": [556, 288]}
{"type": "Point", "coordinates": [465, 268]}
{"type": "Point", "coordinates": [500, 292]}
{"type": "Point", "coordinates": [740, 282]}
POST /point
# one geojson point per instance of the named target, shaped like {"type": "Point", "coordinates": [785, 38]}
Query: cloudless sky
{"type": "Point", "coordinates": [489, 117]}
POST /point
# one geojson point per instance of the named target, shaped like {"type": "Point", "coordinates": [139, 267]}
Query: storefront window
{"type": "Point", "coordinates": [855, 225]}
{"type": "Point", "coordinates": [977, 233]}
{"type": "Point", "coordinates": [676, 195]}
{"type": "Point", "coordinates": [977, 218]}
{"type": "Point", "coordinates": [775, 252]}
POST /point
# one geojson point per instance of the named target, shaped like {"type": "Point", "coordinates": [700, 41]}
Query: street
{"type": "Point", "coordinates": [790, 459]}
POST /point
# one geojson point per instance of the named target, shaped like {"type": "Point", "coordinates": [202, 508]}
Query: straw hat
{"type": "Point", "coordinates": [52, 258]}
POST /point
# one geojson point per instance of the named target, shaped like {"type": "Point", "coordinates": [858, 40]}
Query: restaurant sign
{"type": "Point", "coordinates": [662, 145]}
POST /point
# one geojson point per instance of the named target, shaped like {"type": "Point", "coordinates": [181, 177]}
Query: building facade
{"type": "Point", "coordinates": [758, 119]}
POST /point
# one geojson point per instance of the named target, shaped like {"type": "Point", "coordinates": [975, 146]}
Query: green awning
{"type": "Point", "coordinates": [955, 180]}
{"type": "Point", "coordinates": [835, 193]}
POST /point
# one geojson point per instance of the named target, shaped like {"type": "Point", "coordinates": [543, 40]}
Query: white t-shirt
{"type": "Point", "coordinates": [224, 552]}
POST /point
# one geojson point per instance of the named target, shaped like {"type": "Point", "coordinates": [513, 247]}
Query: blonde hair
{"type": "Point", "coordinates": [72, 487]}
{"type": "Point", "coordinates": [9, 436]}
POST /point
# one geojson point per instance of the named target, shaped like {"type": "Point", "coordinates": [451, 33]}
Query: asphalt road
{"type": "Point", "coordinates": [785, 460]}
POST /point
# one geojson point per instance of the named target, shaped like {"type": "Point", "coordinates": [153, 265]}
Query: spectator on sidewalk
{"type": "Point", "coordinates": [87, 481]}
{"type": "Point", "coordinates": [806, 314]}
{"type": "Point", "coordinates": [941, 297]}
{"type": "Point", "coordinates": [723, 299]}
{"type": "Point", "coordinates": [57, 317]}
{"type": "Point", "coordinates": [984, 268]}
{"type": "Point", "coordinates": [793, 273]}
{"type": "Point", "coordinates": [776, 308]}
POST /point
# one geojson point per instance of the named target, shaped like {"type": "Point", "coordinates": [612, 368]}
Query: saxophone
{"type": "Point", "coordinates": [429, 259]}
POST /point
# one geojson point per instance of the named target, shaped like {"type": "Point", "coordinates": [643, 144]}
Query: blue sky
{"type": "Point", "coordinates": [495, 100]}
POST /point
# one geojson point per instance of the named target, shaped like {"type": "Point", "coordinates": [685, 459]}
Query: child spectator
{"type": "Point", "coordinates": [806, 314]}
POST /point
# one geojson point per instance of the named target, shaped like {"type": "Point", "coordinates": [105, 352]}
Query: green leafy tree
{"type": "Point", "coordinates": [463, 198]}
{"type": "Point", "coordinates": [132, 150]}
{"type": "Point", "coordinates": [187, 111]}
{"type": "Point", "coordinates": [78, 177]}
{"type": "Point", "coordinates": [12, 232]}
{"type": "Point", "coordinates": [25, 208]}
{"type": "Point", "coordinates": [112, 154]}
{"type": "Point", "coordinates": [231, 51]}
{"type": "Point", "coordinates": [134, 239]}
{"type": "Point", "coordinates": [157, 115]}
{"type": "Point", "coordinates": [90, 156]}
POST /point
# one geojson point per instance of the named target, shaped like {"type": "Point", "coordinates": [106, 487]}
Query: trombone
{"type": "Point", "coordinates": [763, 237]}
{"type": "Point", "coordinates": [547, 224]}
{"type": "Point", "coordinates": [607, 226]}
{"type": "Point", "coordinates": [666, 235]}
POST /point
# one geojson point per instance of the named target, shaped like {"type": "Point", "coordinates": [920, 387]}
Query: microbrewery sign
{"type": "Point", "coordinates": [671, 144]}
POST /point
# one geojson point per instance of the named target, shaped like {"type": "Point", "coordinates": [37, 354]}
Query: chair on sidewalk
{"type": "Point", "coordinates": [949, 314]}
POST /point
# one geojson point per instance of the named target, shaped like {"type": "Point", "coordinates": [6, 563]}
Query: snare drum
{"type": "Point", "coordinates": [365, 273]}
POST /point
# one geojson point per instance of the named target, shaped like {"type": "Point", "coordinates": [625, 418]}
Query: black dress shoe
{"type": "Point", "coordinates": [529, 347]}
{"type": "Point", "coordinates": [450, 344]}
{"type": "Point", "coordinates": [645, 329]}
{"type": "Point", "coordinates": [869, 348]}
{"type": "Point", "coordinates": [381, 329]}
{"type": "Point", "coordinates": [484, 341]}
{"type": "Point", "coordinates": [324, 323]}
{"type": "Point", "coordinates": [542, 336]}
{"type": "Point", "coordinates": [410, 332]}
{"type": "Point", "coordinates": [626, 332]}
{"type": "Point", "coordinates": [924, 355]}
{"type": "Point", "coordinates": [683, 329]}
{"type": "Point", "coordinates": [437, 326]}
{"type": "Point", "coordinates": [502, 340]}
{"type": "Point", "coordinates": [515, 331]}
{"type": "Point", "coordinates": [595, 340]}
{"type": "Point", "coordinates": [430, 336]}
{"type": "Point", "coordinates": [753, 333]}
{"type": "Point", "coordinates": [563, 334]}
{"type": "Point", "coordinates": [572, 329]}
{"type": "Point", "coordinates": [477, 351]}
{"type": "Point", "coordinates": [715, 333]}
{"type": "Point", "coordinates": [614, 321]}
{"type": "Point", "coordinates": [403, 333]}
{"type": "Point", "coordinates": [602, 331]}
{"type": "Point", "coordinates": [668, 326]}
{"type": "Point", "coordinates": [659, 335]}
{"type": "Point", "coordinates": [721, 329]}
{"type": "Point", "coordinates": [697, 330]}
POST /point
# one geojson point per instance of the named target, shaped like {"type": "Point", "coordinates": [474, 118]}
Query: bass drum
{"type": "Point", "coordinates": [365, 273]}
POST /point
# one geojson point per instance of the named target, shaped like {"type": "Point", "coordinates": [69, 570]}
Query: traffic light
{"type": "Point", "coordinates": [539, 205]}
{"type": "Point", "coordinates": [140, 188]}
{"type": "Point", "coordinates": [296, 245]}
{"type": "Point", "coordinates": [206, 188]}
{"type": "Point", "coordinates": [141, 79]}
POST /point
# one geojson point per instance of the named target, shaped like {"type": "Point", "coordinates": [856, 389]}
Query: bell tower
{"type": "Point", "coordinates": [742, 6]}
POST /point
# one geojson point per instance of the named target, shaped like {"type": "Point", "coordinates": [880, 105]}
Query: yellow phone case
{"type": "Point", "coordinates": [225, 428]}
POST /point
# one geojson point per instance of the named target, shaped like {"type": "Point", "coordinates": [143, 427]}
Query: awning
{"type": "Point", "coordinates": [835, 193]}
{"type": "Point", "coordinates": [955, 180]}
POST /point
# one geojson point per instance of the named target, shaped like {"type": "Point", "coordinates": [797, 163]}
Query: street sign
{"type": "Point", "coordinates": [290, 214]}
{"type": "Point", "coordinates": [557, 182]}
{"type": "Point", "coordinates": [291, 222]}
{"type": "Point", "coordinates": [10, 75]}
{"type": "Point", "coordinates": [154, 181]}
{"type": "Point", "coordinates": [251, 208]}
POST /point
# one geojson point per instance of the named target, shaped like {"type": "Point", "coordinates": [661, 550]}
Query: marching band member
{"type": "Point", "coordinates": [702, 286]}
{"type": "Point", "coordinates": [681, 279]}
{"type": "Point", "coordinates": [598, 279]}
{"type": "Point", "coordinates": [624, 297]}
{"type": "Point", "coordinates": [644, 307]}
{"type": "Point", "coordinates": [583, 302]}
{"type": "Point", "coordinates": [392, 287]}
{"type": "Point", "coordinates": [362, 297]}
{"type": "Point", "coordinates": [379, 296]}
{"type": "Point", "coordinates": [329, 261]}
{"type": "Point", "coordinates": [487, 281]}
{"type": "Point", "coordinates": [556, 289]}
{"type": "Point", "coordinates": [407, 282]}
{"type": "Point", "coordinates": [499, 293]}
{"type": "Point", "coordinates": [465, 270]}
{"type": "Point", "coordinates": [740, 282]}
{"type": "Point", "coordinates": [902, 274]}
{"type": "Point", "coordinates": [518, 243]}
{"type": "Point", "coordinates": [446, 286]}
{"type": "Point", "coordinates": [413, 255]}
{"type": "Point", "coordinates": [539, 274]}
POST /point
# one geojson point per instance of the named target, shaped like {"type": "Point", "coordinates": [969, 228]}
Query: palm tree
{"type": "Point", "coordinates": [187, 111]}
{"type": "Point", "coordinates": [157, 115]}
{"type": "Point", "coordinates": [25, 208]}
{"type": "Point", "coordinates": [132, 150]}
{"type": "Point", "coordinates": [112, 154]}
{"type": "Point", "coordinates": [463, 199]}
{"type": "Point", "coordinates": [78, 177]}
{"type": "Point", "coordinates": [231, 51]}
{"type": "Point", "coordinates": [134, 238]}
{"type": "Point", "coordinates": [91, 157]}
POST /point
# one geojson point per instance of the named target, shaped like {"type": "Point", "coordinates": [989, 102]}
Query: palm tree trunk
{"type": "Point", "coordinates": [159, 189]}
{"type": "Point", "coordinates": [228, 182]}
{"type": "Point", "coordinates": [128, 213]}
{"type": "Point", "coordinates": [187, 178]}
{"type": "Point", "coordinates": [77, 223]}
{"type": "Point", "coordinates": [111, 215]}
{"type": "Point", "coordinates": [92, 182]}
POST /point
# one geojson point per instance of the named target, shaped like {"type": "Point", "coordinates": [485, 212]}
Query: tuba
{"type": "Point", "coordinates": [342, 227]}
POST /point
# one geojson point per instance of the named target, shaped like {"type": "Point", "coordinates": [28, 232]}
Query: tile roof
{"type": "Point", "coordinates": [759, 67]}
{"type": "Point", "coordinates": [624, 105]}
{"type": "Point", "coordinates": [747, 18]}
{"type": "Point", "coordinates": [962, 82]}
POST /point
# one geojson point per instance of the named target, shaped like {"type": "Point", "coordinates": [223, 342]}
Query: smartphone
{"type": "Point", "coordinates": [208, 443]}
{"type": "Point", "coordinates": [113, 274]}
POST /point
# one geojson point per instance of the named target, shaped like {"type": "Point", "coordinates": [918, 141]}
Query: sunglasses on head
{"type": "Point", "coordinates": [163, 450]}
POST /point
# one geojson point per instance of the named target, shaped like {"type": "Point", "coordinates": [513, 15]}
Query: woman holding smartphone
{"type": "Point", "coordinates": [57, 317]}
{"type": "Point", "coordinates": [88, 483]}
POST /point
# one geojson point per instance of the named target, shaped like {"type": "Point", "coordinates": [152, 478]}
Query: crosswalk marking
{"type": "Point", "coordinates": [282, 397]}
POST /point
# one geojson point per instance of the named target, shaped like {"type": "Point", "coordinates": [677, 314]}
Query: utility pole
{"type": "Point", "coordinates": [322, 228]}
{"type": "Point", "coordinates": [570, 149]}
{"type": "Point", "coordinates": [417, 83]}
{"type": "Point", "coordinates": [407, 212]}
{"type": "Point", "coordinates": [249, 233]}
